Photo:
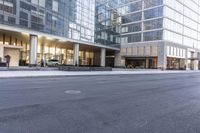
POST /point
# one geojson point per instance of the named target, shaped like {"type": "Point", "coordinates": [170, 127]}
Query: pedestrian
{"type": "Point", "coordinates": [42, 63]}
{"type": "Point", "coordinates": [8, 57]}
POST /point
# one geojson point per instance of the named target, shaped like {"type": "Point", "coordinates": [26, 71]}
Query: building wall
{"type": "Point", "coordinates": [142, 29]}
{"type": "Point", "coordinates": [171, 25]}
{"type": "Point", "coordinates": [181, 22]}
{"type": "Point", "coordinates": [140, 50]}
{"type": "Point", "coordinates": [66, 18]}
{"type": "Point", "coordinates": [182, 30]}
{"type": "Point", "coordinates": [142, 21]}
{"type": "Point", "coordinates": [147, 27]}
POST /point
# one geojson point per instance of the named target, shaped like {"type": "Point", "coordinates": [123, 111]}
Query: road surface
{"type": "Point", "coordinates": [154, 103]}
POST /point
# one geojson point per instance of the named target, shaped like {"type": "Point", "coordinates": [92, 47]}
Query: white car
{"type": "Point", "coordinates": [53, 62]}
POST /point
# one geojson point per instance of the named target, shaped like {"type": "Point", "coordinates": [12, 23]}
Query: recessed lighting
{"type": "Point", "coordinates": [62, 40]}
{"type": "Point", "coordinates": [26, 34]}
{"type": "Point", "coordinates": [48, 38]}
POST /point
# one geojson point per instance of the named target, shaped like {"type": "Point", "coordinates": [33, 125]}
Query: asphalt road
{"type": "Point", "coordinates": [157, 103]}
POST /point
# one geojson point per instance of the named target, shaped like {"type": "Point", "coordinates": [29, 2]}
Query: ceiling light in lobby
{"type": "Point", "coordinates": [50, 38]}
{"type": "Point", "coordinates": [62, 40]}
{"type": "Point", "coordinates": [25, 34]}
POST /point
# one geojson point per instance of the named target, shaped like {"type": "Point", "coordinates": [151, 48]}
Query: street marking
{"type": "Point", "coordinates": [72, 92]}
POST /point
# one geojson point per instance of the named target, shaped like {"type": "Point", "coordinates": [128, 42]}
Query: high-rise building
{"type": "Point", "coordinates": [123, 33]}
{"type": "Point", "coordinates": [160, 34]}
{"type": "Point", "coordinates": [35, 30]}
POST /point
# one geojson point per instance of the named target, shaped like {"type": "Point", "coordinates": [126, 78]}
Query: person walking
{"type": "Point", "coordinates": [8, 57]}
{"type": "Point", "coordinates": [42, 63]}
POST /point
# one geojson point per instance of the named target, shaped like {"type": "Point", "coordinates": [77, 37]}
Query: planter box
{"type": "Point", "coordinates": [75, 68]}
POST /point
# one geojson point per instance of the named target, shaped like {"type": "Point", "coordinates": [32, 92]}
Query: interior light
{"type": "Point", "coordinates": [26, 34]}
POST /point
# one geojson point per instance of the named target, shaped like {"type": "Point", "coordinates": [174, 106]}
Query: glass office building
{"type": "Point", "coordinates": [50, 29]}
{"type": "Point", "coordinates": [67, 18]}
{"type": "Point", "coordinates": [108, 23]}
{"type": "Point", "coordinates": [182, 28]}
{"type": "Point", "coordinates": [133, 33]}
{"type": "Point", "coordinates": [160, 33]}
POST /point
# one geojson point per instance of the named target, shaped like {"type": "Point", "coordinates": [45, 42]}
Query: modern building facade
{"type": "Point", "coordinates": [32, 30]}
{"type": "Point", "coordinates": [132, 33]}
{"type": "Point", "coordinates": [160, 34]}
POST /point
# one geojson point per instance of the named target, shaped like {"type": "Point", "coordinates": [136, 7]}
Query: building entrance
{"type": "Point", "coordinates": [175, 63]}
{"type": "Point", "coordinates": [141, 63]}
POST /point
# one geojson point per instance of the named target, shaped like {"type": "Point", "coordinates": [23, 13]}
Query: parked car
{"type": "Point", "coordinates": [52, 62]}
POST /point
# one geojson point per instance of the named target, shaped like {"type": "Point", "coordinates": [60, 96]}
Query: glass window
{"type": "Point", "coordinates": [132, 27]}
{"type": "Point", "coordinates": [124, 39]}
{"type": "Point", "coordinates": [1, 18]}
{"type": "Point", "coordinates": [173, 37]}
{"type": "Point", "coordinates": [35, 1]}
{"type": "Point", "coordinates": [55, 5]}
{"type": "Point", "coordinates": [42, 3]}
{"type": "Point", "coordinates": [132, 17]}
{"type": "Point", "coordinates": [25, 5]}
{"type": "Point", "coordinates": [151, 3]}
{"type": "Point", "coordinates": [9, 6]}
{"type": "Point", "coordinates": [153, 13]}
{"type": "Point", "coordinates": [153, 35]}
{"type": "Point", "coordinates": [23, 15]}
{"type": "Point", "coordinates": [153, 24]}
{"type": "Point", "coordinates": [132, 38]}
{"type": "Point", "coordinates": [174, 15]}
{"type": "Point", "coordinates": [135, 6]}
{"type": "Point", "coordinates": [131, 7]}
{"type": "Point", "coordinates": [11, 20]}
{"type": "Point", "coordinates": [173, 26]}
{"type": "Point", "coordinates": [23, 23]}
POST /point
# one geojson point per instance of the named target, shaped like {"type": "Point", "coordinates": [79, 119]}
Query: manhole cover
{"type": "Point", "coordinates": [72, 92]}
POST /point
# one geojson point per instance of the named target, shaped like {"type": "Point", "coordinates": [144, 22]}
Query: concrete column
{"type": "Point", "coordinates": [1, 52]}
{"type": "Point", "coordinates": [187, 61]}
{"type": "Point", "coordinates": [147, 63]}
{"type": "Point", "coordinates": [103, 57]}
{"type": "Point", "coordinates": [188, 64]}
{"type": "Point", "coordinates": [43, 54]}
{"type": "Point", "coordinates": [66, 56]}
{"type": "Point", "coordinates": [196, 65]}
{"type": "Point", "coordinates": [117, 59]}
{"type": "Point", "coordinates": [162, 56]}
{"type": "Point", "coordinates": [76, 54]}
{"type": "Point", "coordinates": [33, 50]}
{"type": "Point", "coordinates": [123, 61]}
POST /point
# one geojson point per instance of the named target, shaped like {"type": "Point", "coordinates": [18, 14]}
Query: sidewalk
{"type": "Point", "coordinates": [26, 68]}
{"type": "Point", "coordinates": [12, 74]}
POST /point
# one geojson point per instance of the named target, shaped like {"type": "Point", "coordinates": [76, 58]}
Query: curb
{"type": "Point", "coordinates": [97, 74]}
